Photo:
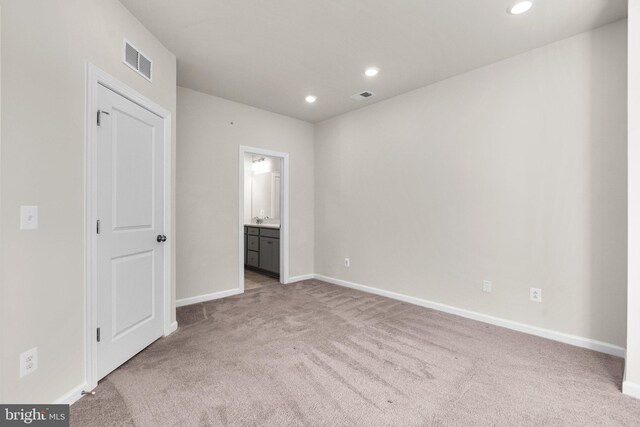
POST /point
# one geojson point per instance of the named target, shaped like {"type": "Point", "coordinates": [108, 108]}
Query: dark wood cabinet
{"type": "Point", "coordinates": [262, 249]}
{"type": "Point", "coordinates": [270, 254]}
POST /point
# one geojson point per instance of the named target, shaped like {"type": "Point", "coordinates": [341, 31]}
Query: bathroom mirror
{"type": "Point", "coordinates": [263, 174]}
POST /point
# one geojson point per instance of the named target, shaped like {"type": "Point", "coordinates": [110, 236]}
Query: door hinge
{"type": "Point", "coordinates": [100, 112]}
{"type": "Point", "coordinates": [98, 227]}
{"type": "Point", "coordinates": [98, 335]}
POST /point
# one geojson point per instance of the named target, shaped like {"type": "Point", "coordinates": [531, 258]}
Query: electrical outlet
{"type": "Point", "coordinates": [347, 262]}
{"type": "Point", "coordinates": [28, 217]}
{"type": "Point", "coordinates": [535, 294]}
{"type": "Point", "coordinates": [486, 286]}
{"type": "Point", "coordinates": [28, 361]}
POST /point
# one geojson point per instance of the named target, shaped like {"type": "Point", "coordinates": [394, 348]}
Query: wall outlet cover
{"type": "Point", "coordinates": [28, 361]}
{"type": "Point", "coordinates": [347, 262]}
{"type": "Point", "coordinates": [487, 286]}
{"type": "Point", "coordinates": [28, 217]}
{"type": "Point", "coordinates": [535, 294]}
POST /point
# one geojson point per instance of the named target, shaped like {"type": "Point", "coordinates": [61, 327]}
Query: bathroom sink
{"type": "Point", "coordinates": [266, 225]}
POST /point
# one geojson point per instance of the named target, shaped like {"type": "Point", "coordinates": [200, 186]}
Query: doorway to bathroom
{"type": "Point", "coordinates": [263, 218]}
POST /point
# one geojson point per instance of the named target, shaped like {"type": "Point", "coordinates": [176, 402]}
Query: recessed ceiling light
{"type": "Point", "coordinates": [520, 7]}
{"type": "Point", "coordinates": [371, 71]}
{"type": "Point", "coordinates": [311, 99]}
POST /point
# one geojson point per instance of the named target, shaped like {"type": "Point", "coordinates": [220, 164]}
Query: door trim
{"type": "Point", "coordinates": [95, 77]}
{"type": "Point", "coordinates": [284, 210]}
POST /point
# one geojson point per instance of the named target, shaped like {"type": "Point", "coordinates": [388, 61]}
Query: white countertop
{"type": "Point", "coordinates": [262, 225]}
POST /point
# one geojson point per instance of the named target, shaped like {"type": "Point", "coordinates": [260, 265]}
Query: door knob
{"type": "Point", "coordinates": [161, 238]}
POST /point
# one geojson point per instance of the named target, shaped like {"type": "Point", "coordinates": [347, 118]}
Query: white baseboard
{"type": "Point", "coordinates": [299, 278]}
{"type": "Point", "coordinates": [171, 328]}
{"type": "Point", "coordinates": [521, 327]}
{"type": "Point", "coordinates": [207, 297]}
{"type": "Point", "coordinates": [631, 389]}
{"type": "Point", "coordinates": [71, 396]}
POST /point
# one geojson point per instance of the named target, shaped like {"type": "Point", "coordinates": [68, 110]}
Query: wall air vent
{"type": "Point", "coordinates": [362, 95]}
{"type": "Point", "coordinates": [137, 61]}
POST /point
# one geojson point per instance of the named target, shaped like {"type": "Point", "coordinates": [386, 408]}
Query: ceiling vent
{"type": "Point", "coordinates": [362, 95]}
{"type": "Point", "coordinates": [137, 61]}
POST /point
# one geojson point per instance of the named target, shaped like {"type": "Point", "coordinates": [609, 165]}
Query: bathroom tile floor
{"type": "Point", "coordinates": [253, 280]}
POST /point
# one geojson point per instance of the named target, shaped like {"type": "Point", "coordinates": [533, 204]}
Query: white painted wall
{"type": "Point", "coordinates": [632, 381]}
{"type": "Point", "coordinates": [207, 188]}
{"type": "Point", "coordinates": [515, 173]}
{"type": "Point", "coordinates": [45, 45]}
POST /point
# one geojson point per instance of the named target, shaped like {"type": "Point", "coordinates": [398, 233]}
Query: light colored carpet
{"type": "Point", "coordinates": [315, 354]}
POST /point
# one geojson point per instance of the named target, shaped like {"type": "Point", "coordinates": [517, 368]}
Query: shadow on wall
{"type": "Point", "coordinates": [607, 191]}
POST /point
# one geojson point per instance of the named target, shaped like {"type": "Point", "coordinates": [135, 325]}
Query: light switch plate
{"type": "Point", "coordinates": [28, 217]}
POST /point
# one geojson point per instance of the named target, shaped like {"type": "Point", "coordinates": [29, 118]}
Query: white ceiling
{"type": "Point", "coordinates": [272, 53]}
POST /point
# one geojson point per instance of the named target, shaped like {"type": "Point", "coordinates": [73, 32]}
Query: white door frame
{"type": "Point", "coordinates": [284, 210]}
{"type": "Point", "coordinates": [95, 77]}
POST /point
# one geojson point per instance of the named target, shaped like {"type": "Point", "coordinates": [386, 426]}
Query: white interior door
{"type": "Point", "coordinates": [130, 252]}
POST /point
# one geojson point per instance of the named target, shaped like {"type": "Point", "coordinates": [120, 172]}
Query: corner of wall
{"type": "Point", "coordinates": [631, 389]}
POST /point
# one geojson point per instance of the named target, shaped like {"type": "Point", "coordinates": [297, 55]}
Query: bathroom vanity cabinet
{"type": "Point", "coordinates": [262, 249]}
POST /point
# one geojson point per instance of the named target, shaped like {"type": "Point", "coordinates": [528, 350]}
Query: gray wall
{"type": "Point", "coordinates": [515, 173]}
{"type": "Point", "coordinates": [207, 187]}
